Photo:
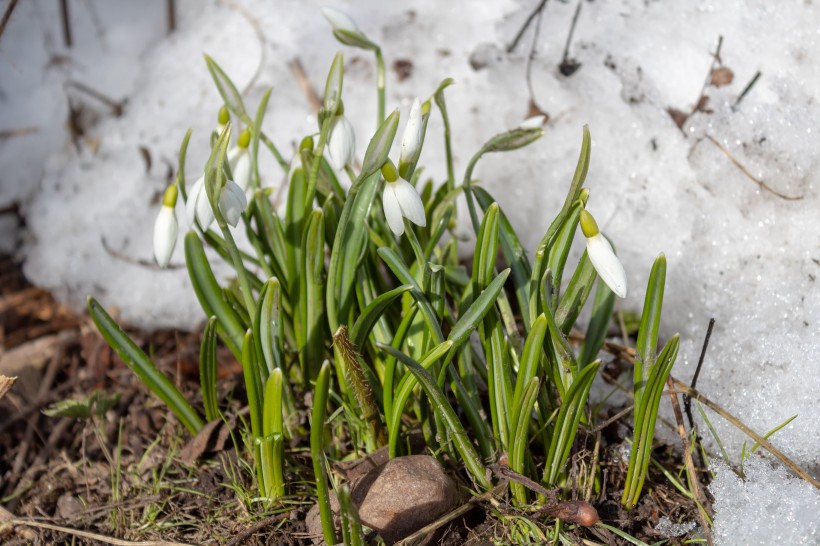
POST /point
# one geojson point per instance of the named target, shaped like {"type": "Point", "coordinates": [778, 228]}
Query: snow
{"type": "Point", "coordinates": [766, 507]}
{"type": "Point", "coordinates": [736, 252]}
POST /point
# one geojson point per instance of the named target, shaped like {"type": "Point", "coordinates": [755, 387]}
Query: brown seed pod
{"type": "Point", "coordinates": [580, 512]}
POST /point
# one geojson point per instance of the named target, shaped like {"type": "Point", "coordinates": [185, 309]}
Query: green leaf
{"type": "Point", "coordinates": [207, 370]}
{"type": "Point", "coordinates": [333, 87]}
{"type": "Point", "coordinates": [268, 326]}
{"type": "Point", "coordinates": [528, 367]}
{"type": "Point", "coordinates": [228, 91]}
{"type": "Point", "coordinates": [311, 301]}
{"type": "Point", "coordinates": [480, 307]}
{"type": "Point", "coordinates": [519, 443]}
{"type": "Point", "coordinates": [459, 436]}
{"type": "Point", "coordinates": [646, 413]}
{"type": "Point", "coordinates": [317, 451]}
{"type": "Point", "coordinates": [486, 249]}
{"type": "Point", "coordinates": [514, 254]}
{"type": "Point", "coordinates": [373, 312]}
{"type": "Point", "coordinates": [566, 424]}
{"type": "Point", "coordinates": [144, 367]}
{"type": "Point", "coordinates": [209, 293]}
{"type": "Point", "coordinates": [602, 308]}
{"type": "Point", "coordinates": [650, 325]}
{"type": "Point", "coordinates": [379, 147]}
{"type": "Point", "coordinates": [576, 294]}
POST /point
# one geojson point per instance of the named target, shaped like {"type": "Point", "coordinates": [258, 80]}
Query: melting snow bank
{"type": "Point", "coordinates": [766, 507]}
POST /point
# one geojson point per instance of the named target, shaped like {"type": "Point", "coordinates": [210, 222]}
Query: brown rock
{"type": "Point", "coordinates": [403, 495]}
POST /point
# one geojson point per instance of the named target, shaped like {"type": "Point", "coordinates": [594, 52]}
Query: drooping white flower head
{"type": "Point", "coordinates": [240, 160]}
{"type": "Point", "coordinates": [198, 208]}
{"type": "Point", "coordinates": [339, 20]}
{"type": "Point", "coordinates": [341, 142]}
{"type": "Point", "coordinates": [411, 139]}
{"type": "Point", "coordinates": [602, 256]}
{"type": "Point", "coordinates": [400, 200]}
{"type": "Point", "coordinates": [166, 228]}
{"type": "Point", "coordinates": [232, 202]}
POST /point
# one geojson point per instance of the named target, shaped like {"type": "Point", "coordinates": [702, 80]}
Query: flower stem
{"type": "Point", "coordinates": [239, 266]}
{"type": "Point", "coordinates": [380, 85]}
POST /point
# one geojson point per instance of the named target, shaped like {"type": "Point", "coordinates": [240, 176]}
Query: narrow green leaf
{"type": "Point", "coordinates": [602, 308]}
{"type": "Point", "coordinates": [459, 436]}
{"type": "Point", "coordinates": [317, 451]}
{"type": "Point", "coordinates": [650, 325]}
{"type": "Point", "coordinates": [576, 294]}
{"type": "Point", "coordinates": [311, 289]}
{"type": "Point", "coordinates": [228, 91]}
{"type": "Point", "coordinates": [528, 367]}
{"type": "Point", "coordinates": [209, 293]}
{"type": "Point", "coordinates": [144, 367]}
{"type": "Point", "coordinates": [372, 313]}
{"type": "Point", "coordinates": [566, 424]}
{"type": "Point", "coordinates": [519, 443]}
{"type": "Point", "coordinates": [479, 308]}
{"type": "Point", "coordinates": [268, 328]}
{"type": "Point", "coordinates": [207, 370]}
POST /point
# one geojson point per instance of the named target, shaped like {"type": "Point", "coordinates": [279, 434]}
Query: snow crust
{"type": "Point", "coordinates": [736, 251]}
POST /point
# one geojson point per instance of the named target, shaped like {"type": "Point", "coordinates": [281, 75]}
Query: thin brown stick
{"type": "Point", "coordinates": [762, 185]}
{"type": "Point", "coordinates": [683, 388]}
{"type": "Point", "coordinates": [64, 18]}
{"type": "Point", "coordinates": [538, 9]}
{"type": "Point", "coordinates": [694, 482]}
{"type": "Point", "coordinates": [93, 536]}
{"type": "Point", "coordinates": [602, 426]}
{"type": "Point", "coordinates": [18, 131]}
{"type": "Point", "coordinates": [7, 15]}
{"type": "Point", "coordinates": [171, 13]}
{"type": "Point", "coordinates": [746, 89]}
{"type": "Point", "coordinates": [244, 534]}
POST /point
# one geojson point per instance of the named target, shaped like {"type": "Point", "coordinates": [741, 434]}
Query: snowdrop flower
{"type": "Point", "coordinates": [240, 160]}
{"type": "Point", "coordinates": [341, 143]}
{"type": "Point", "coordinates": [166, 228]}
{"type": "Point", "coordinates": [232, 202]}
{"type": "Point", "coordinates": [603, 259]}
{"type": "Point", "coordinates": [400, 200]}
{"type": "Point", "coordinates": [411, 139]}
{"type": "Point", "coordinates": [339, 20]}
{"type": "Point", "coordinates": [197, 208]}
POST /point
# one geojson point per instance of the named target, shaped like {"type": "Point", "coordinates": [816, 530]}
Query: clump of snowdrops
{"type": "Point", "coordinates": [358, 297]}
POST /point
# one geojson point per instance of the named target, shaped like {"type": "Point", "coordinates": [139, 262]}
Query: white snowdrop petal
{"type": "Point", "coordinates": [411, 206]}
{"type": "Point", "coordinates": [392, 209]}
{"type": "Point", "coordinates": [242, 171]}
{"type": "Point", "coordinates": [411, 139]}
{"type": "Point", "coordinates": [341, 143]}
{"type": "Point", "coordinates": [190, 205]}
{"type": "Point", "coordinates": [607, 265]}
{"type": "Point", "coordinates": [166, 229]}
{"type": "Point", "coordinates": [232, 202]}
{"type": "Point", "coordinates": [339, 20]}
{"type": "Point", "coordinates": [204, 212]}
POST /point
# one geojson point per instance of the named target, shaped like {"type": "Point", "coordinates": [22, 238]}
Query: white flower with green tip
{"type": "Point", "coordinates": [411, 138]}
{"type": "Point", "coordinates": [400, 200]}
{"type": "Point", "coordinates": [602, 256]}
{"type": "Point", "coordinates": [166, 228]}
{"type": "Point", "coordinates": [339, 20]}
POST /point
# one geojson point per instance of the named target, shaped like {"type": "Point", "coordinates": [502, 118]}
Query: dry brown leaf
{"type": "Point", "coordinates": [721, 76]}
{"type": "Point", "coordinates": [5, 384]}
